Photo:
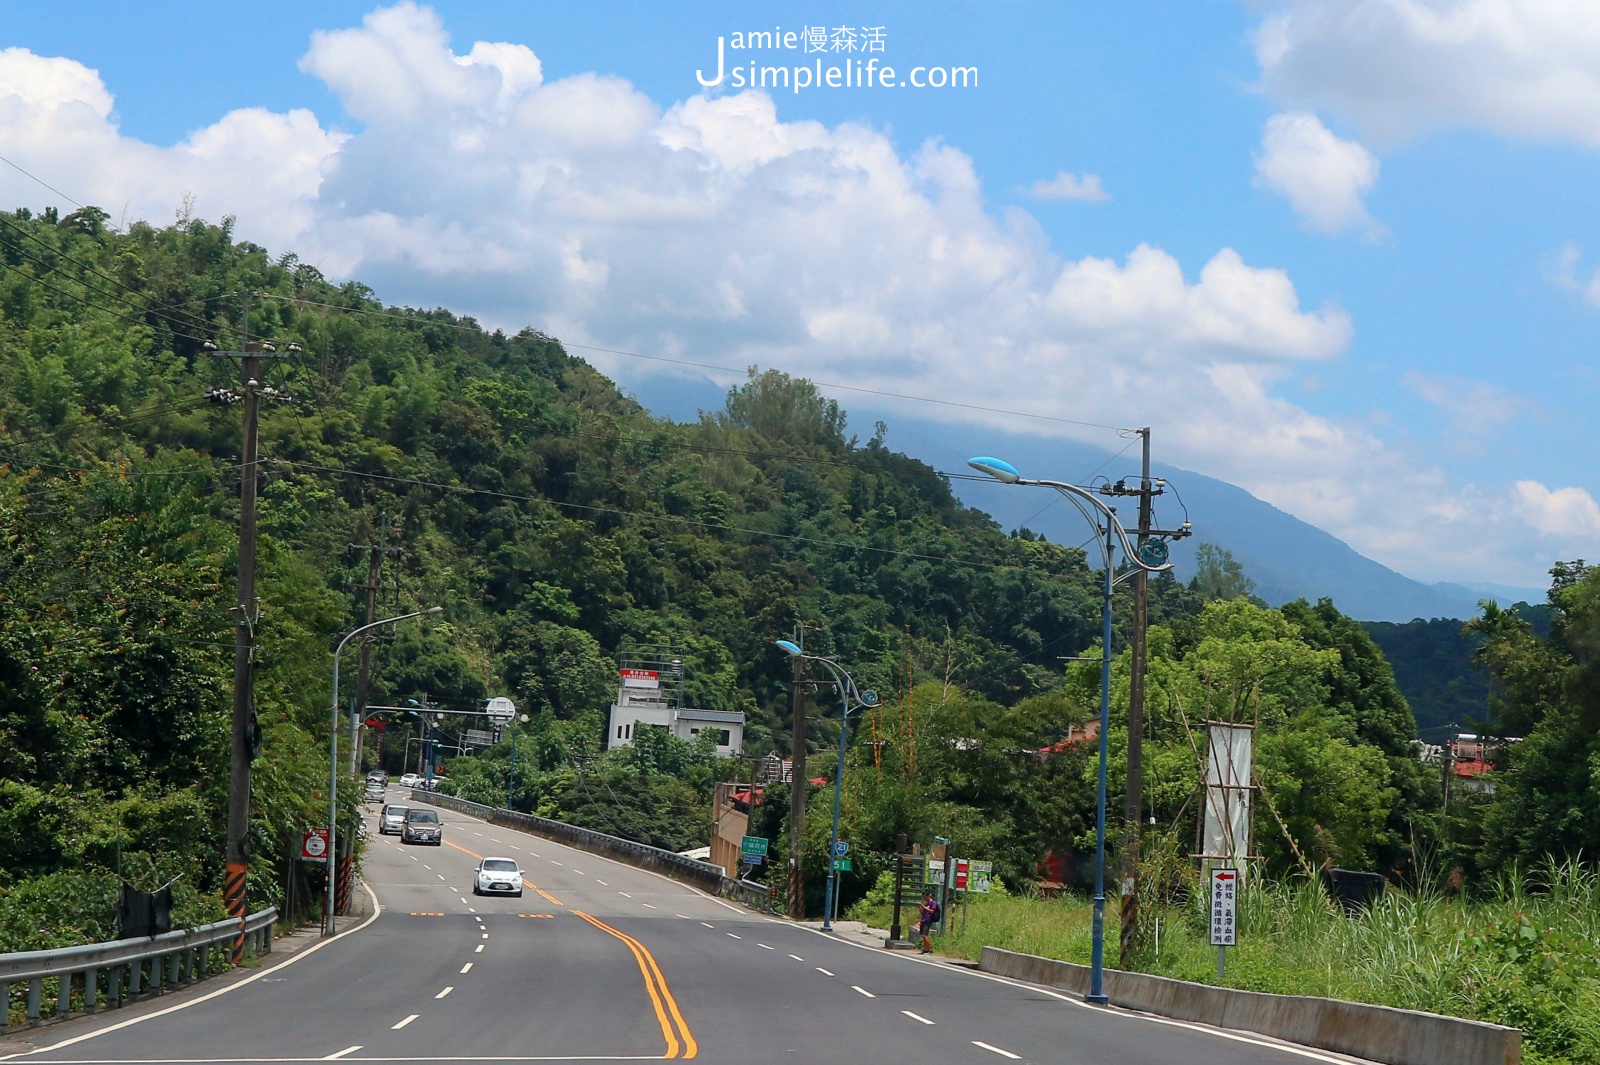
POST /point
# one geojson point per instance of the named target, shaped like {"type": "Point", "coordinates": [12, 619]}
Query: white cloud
{"type": "Point", "coordinates": [1474, 406]}
{"type": "Point", "coordinates": [1562, 268]}
{"type": "Point", "coordinates": [1069, 186]}
{"type": "Point", "coordinates": [1522, 68]}
{"type": "Point", "coordinates": [1568, 512]}
{"type": "Point", "coordinates": [712, 229]}
{"type": "Point", "coordinates": [1323, 177]}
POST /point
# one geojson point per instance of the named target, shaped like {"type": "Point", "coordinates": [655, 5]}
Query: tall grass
{"type": "Point", "coordinates": [1526, 958]}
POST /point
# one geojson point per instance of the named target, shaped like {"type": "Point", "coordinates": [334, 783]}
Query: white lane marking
{"type": "Point", "coordinates": [1113, 1011]}
{"type": "Point", "coordinates": [405, 1022]}
{"type": "Point", "coordinates": [554, 862]}
{"type": "Point", "coordinates": [864, 991]}
{"type": "Point", "coordinates": [602, 883]}
{"type": "Point", "coordinates": [478, 834]}
{"type": "Point", "coordinates": [451, 988]}
{"type": "Point", "coordinates": [796, 957]}
{"type": "Point", "coordinates": [580, 872]}
{"type": "Point", "coordinates": [708, 925]}
{"type": "Point", "coordinates": [647, 906]}
{"type": "Point", "coordinates": [439, 875]}
{"type": "Point", "coordinates": [455, 889]}
{"type": "Point", "coordinates": [763, 946]}
{"type": "Point", "coordinates": [625, 895]}
{"type": "Point", "coordinates": [486, 935]}
{"type": "Point", "coordinates": [916, 1016]}
{"type": "Point", "coordinates": [467, 968]}
{"type": "Point", "coordinates": [339, 1054]}
{"type": "Point", "coordinates": [469, 908]}
{"type": "Point", "coordinates": [413, 857]}
{"type": "Point", "coordinates": [479, 948]}
{"type": "Point", "coordinates": [685, 916]}
{"type": "Point", "coordinates": [515, 847]}
{"type": "Point", "coordinates": [377, 911]}
{"type": "Point", "coordinates": [478, 919]}
{"type": "Point", "coordinates": [823, 971]}
{"type": "Point", "coordinates": [428, 867]}
{"type": "Point", "coordinates": [732, 936]}
{"type": "Point", "coordinates": [536, 854]}
{"type": "Point", "coordinates": [997, 1050]}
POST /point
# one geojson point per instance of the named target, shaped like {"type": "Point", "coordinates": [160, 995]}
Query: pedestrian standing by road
{"type": "Point", "coordinates": [927, 917]}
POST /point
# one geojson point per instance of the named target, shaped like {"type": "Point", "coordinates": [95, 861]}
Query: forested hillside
{"type": "Point", "coordinates": [553, 519]}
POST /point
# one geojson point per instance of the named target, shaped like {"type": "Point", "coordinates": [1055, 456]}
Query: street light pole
{"type": "Point", "coordinates": [511, 781]}
{"type": "Point", "coordinates": [1102, 517]}
{"type": "Point", "coordinates": [333, 749]}
{"type": "Point", "coordinates": [847, 691]}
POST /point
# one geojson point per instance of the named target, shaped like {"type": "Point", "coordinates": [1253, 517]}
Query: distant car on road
{"type": "Point", "coordinates": [392, 819]}
{"type": "Point", "coordinates": [422, 826]}
{"type": "Point", "coordinates": [410, 780]}
{"type": "Point", "coordinates": [498, 876]}
{"type": "Point", "coordinates": [378, 777]}
{"type": "Point", "coordinates": [375, 793]}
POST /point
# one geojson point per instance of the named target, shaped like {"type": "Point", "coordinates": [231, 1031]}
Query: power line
{"type": "Point", "coordinates": [619, 512]}
{"type": "Point", "coordinates": [417, 319]}
{"type": "Point", "coordinates": [43, 182]}
{"type": "Point", "coordinates": [22, 231]}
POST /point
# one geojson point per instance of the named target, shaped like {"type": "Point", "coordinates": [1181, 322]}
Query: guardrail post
{"type": "Point", "coordinates": [114, 987]}
{"type": "Point", "coordinates": [91, 990]}
{"type": "Point", "coordinates": [35, 993]}
{"type": "Point", "coordinates": [64, 995]}
{"type": "Point", "coordinates": [173, 961]}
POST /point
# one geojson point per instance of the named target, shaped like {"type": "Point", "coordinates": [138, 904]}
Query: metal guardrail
{"type": "Point", "coordinates": [701, 874]}
{"type": "Point", "coordinates": [110, 974]}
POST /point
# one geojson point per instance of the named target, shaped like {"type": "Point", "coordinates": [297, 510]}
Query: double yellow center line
{"type": "Point", "coordinates": [660, 995]}
{"type": "Point", "coordinates": [667, 1013]}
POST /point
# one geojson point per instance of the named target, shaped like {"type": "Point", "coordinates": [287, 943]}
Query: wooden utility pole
{"type": "Point", "coordinates": [797, 783]}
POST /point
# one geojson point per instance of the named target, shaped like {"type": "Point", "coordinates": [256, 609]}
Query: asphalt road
{"type": "Point", "coordinates": [602, 962]}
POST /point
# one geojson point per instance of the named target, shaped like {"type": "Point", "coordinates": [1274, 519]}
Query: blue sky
{"type": "Point", "coordinates": [1343, 254]}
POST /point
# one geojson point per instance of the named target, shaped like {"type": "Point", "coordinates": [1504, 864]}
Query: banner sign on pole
{"type": "Point", "coordinates": [314, 845]}
{"type": "Point", "coordinates": [753, 845]}
{"type": "Point", "coordinates": [1224, 907]}
{"type": "Point", "coordinates": [935, 874]}
{"type": "Point", "coordinates": [978, 878]}
{"type": "Point", "coordinates": [962, 872]}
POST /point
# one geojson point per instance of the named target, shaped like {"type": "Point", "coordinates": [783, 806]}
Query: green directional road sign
{"type": "Point", "coordinates": [841, 865]}
{"type": "Point", "coordinates": [753, 845]}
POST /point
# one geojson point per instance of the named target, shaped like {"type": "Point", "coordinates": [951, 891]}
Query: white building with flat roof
{"type": "Point", "coordinates": [650, 693]}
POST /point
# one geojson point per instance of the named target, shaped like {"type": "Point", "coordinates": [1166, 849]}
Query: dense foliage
{"type": "Point", "coordinates": [555, 519]}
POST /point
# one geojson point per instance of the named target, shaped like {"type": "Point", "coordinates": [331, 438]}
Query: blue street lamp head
{"type": "Point", "coordinates": [999, 469]}
{"type": "Point", "coordinates": [790, 648]}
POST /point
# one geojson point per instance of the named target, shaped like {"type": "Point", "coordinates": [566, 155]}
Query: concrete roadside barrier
{"type": "Point", "coordinates": [1378, 1033]}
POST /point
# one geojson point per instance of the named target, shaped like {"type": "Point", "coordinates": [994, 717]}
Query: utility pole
{"type": "Point", "coordinates": [238, 853]}
{"type": "Point", "coordinates": [1133, 794]}
{"type": "Point", "coordinates": [246, 733]}
{"type": "Point", "coordinates": [797, 783]}
{"type": "Point", "coordinates": [363, 675]}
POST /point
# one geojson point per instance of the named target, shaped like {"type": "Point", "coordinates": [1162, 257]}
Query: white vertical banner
{"type": "Point", "coordinates": [1226, 837]}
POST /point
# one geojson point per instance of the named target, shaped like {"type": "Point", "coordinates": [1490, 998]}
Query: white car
{"type": "Point", "coordinates": [498, 876]}
{"type": "Point", "coordinates": [410, 780]}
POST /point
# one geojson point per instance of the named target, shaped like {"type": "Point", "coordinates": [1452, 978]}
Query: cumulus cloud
{"type": "Point", "coordinates": [1563, 268]}
{"type": "Point", "coordinates": [1069, 186]}
{"type": "Point", "coordinates": [1323, 177]}
{"type": "Point", "coordinates": [1473, 409]}
{"type": "Point", "coordinates": [712, 229]}
{"type": "Point", "coordinates": [1523, 68]}
{"type": "Point", "coordinates": [1567, 512]}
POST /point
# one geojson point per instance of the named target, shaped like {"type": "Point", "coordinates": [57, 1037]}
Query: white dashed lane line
{"type": "Point", "coordinates": [451, 988]}
{"type": "Point", "coordinates": [341, 1053]}
{"type": "Point", "coordinates": [479, 948]}
{"type": "Point", "coordinates": [405, 1022]}
{"type": "Point", "coordinates": [685, 916]}
{"type": "Point", "coordinates": [708, 925]}
{"type": "Point", "coordinates": [823, 971]}
{"type": "Point", "coordinates": [913, 1016]}
{"type": "Point", "coordinates": [997, 1050]}
{"type": "Point", "coordinates": [732, 936]}
{"type": "Point", "coordinates": [625, 895]}
{"type": "Point", "coordinates": [467, 968]}
{"type": "Point", "coordinates": [554, 862]}
{"type": "Point", "coordinates": [763, 946]}
{"type": "Point", "coordinates": [647, 906]}
{"type": "Point", "coordinates": [796, 957]}
{"type": "Point", "coordinates": [602, 883]}
{"type": "Point", "coordinates": [862, 990]}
